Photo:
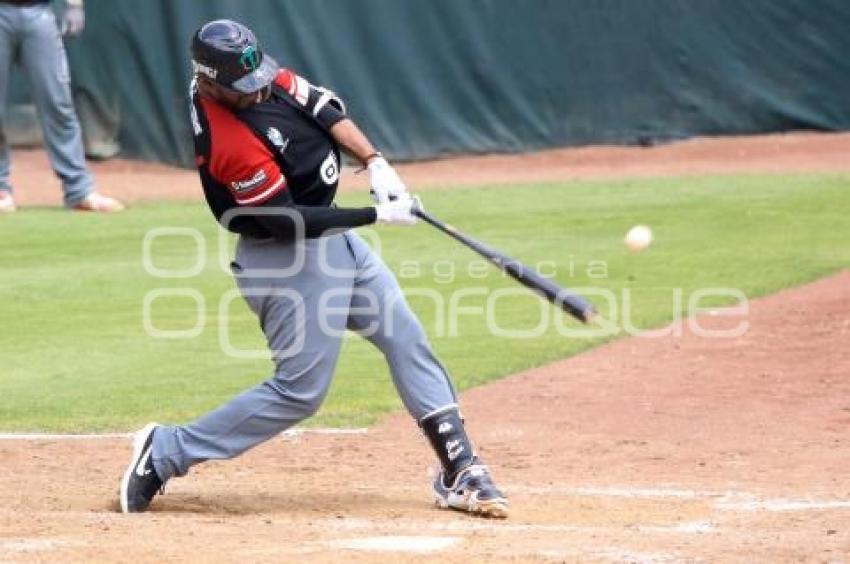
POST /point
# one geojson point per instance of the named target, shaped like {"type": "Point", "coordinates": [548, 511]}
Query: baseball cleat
{"type": "Point", "coordinates": [140, 482]}
{"type": "Point", "coordinates": [472, 491]}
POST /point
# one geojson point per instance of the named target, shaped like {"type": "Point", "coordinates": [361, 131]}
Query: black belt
{"type": "Point", "coordinates": [23, 2]}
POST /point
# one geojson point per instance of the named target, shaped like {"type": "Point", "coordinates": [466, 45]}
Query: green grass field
{"type": "Point", "coordinates": [76, 357]}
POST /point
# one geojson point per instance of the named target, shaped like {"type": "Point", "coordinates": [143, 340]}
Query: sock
{"type": "Point", "coordinates": [445, 432]}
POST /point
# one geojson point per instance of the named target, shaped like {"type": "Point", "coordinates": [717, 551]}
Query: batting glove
{"type": "Point", "coordinates": [399, 212]}
{"type": "Point", "coordinates": [74, 20]}
{"type": "Point", "coordinates": [385, 182]}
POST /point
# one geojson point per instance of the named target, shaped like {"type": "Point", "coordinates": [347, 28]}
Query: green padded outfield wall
{"type": "Point", "coordinates": [433, 77]}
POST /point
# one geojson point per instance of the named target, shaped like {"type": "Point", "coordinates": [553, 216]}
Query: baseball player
{"type": "Point", "coordinates": [268, 148]}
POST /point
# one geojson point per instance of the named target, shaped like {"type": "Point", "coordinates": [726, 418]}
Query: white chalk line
{"type": "Point", "coordinates": [33, 544]}
{"type": "Point", "coordinates": [482, 525]}
{"type": "Point", "coordinates": [286, 435]}
{"type": "Point", "coordinates": [729, 500]}
{"type": "Point", "coordinates": [397, 543]}
{"type": "Point", "coordinates": [621, 555]}
{"type": "Point", "coordinates": [61, 437]}
{"type": "Point", "coordinates": [781, 505]}
{"type": "Point", "coordinates": [599, 491]}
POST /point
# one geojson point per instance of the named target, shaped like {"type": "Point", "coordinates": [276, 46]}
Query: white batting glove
{"type": "Point", "coordinates": [73, 20]}
{"type": "Point", "coordinates": [400, 211]}
{"type": "Point", "coordinates": [385, 182]}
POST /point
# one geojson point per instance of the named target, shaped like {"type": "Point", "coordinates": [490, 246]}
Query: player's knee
{"type": "Point", "coordinates": [311, 404]}
{"type": "Point", "coordinates": [301, 405]}
{"type": "Point", "coordinates": [302, 397]}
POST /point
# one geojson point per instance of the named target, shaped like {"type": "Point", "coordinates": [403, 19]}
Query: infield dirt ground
{"type": "Point", "coordinates": [798, 152]}
{"type": "Point", "coordinates": [645, 450]}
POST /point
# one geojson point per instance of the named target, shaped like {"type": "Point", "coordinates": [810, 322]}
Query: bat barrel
{"type": "Point", "coordinates": [571, 303]}
{"type": "Point", "coordinates": [574, 305]}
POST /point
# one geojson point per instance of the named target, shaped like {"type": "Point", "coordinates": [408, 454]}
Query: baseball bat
{"type": "Point", "coordinates": [575, 305]}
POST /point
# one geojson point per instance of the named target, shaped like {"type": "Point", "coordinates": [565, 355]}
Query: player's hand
{"type": "Point", "coordinates": [385, 182]}
{"type": "Point", "coordinates": [73, 20]}
{"type": "Point", "coordinates": [400, 211]}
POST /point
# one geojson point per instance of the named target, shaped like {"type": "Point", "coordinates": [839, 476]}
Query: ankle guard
{"type": "Point", "coordinates": [445, 432]}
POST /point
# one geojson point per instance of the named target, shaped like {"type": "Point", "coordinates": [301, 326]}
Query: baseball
{"type": "Point", "coordinates": [638, 238]}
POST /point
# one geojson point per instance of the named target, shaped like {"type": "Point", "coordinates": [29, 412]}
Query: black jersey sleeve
{"type": "Point", "coordinates": [280, 217]}
{"type": "Point", "coordinates": [326, 107]}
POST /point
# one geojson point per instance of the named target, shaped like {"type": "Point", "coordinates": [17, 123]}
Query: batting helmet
{"type": "Point", "coordinates": [227, 52]}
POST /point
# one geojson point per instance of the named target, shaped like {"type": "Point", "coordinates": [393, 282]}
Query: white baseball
{"type": "Point", "coordinates": [638, 238]}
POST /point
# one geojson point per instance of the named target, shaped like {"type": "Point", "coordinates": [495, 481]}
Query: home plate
{"type": "Point", "coordinates": [398, 544]}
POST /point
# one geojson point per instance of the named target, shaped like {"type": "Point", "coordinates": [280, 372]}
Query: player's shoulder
{"type": "Point", "coordinates": [285, 78]}
{"type": "Point", "coordinates": [231, 139]}
{"type": "Point", "coordinates": [224, 125]}
{"type": "Point", "coordinates": [297, 86]}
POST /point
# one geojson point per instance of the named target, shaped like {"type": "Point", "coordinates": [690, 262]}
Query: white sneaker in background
{"type": "Point", "coordinates": [7, 203]}
{"type": "Point", "coordinates": [99, 203]}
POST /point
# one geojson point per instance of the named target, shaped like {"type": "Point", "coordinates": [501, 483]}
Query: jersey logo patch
{"type": "Point", "coordinates": [277, 139]}
{"type": "Point", "coordinates": [247, 185]}
{"type": "Point", "coordinates": [329, 169]}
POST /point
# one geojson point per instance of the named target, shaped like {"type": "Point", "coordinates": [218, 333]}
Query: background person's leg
{"type": "Point", "coordinates": [8, 37]}
{"type": "Point", "coordinates": [46, 65]}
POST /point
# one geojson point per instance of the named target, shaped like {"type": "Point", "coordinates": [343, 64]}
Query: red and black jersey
{"type": "Point", "coordinates": [275, 153]}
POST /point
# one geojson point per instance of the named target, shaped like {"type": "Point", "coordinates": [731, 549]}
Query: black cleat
{"type": "Point", "coordinates": [472, 491]}
{"type": "Point", "coordinates": [140, 482]}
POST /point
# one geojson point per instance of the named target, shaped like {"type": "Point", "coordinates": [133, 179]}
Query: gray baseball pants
{"type": "Point", "coordinates": [30, 36]}
{"type": "Point", "coordinates": [304, 313]}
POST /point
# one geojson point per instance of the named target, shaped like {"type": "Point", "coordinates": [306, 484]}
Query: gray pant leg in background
{"type": "Point", "coordinates": [421, 380]}
{"type": "Point", "coordinates": [8, 39]}
{"type": "Point", "coordinates": [287, 308]}
{"type": "Point", "coordinates": [43, 59]}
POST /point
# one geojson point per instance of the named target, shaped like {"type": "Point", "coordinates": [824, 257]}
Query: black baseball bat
{"type": "Point", "coordinates": [575, 305]}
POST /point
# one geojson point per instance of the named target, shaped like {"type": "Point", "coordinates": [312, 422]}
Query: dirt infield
{"type": "Point", "coordinates": [799, 152]}
{"type": "Point", "coordinates": [646, 450]}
